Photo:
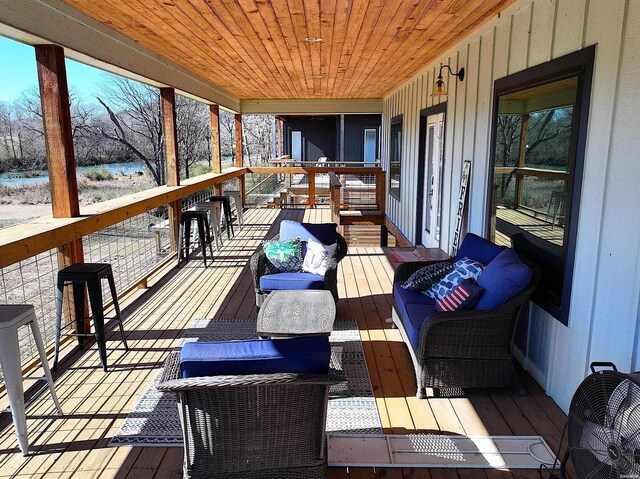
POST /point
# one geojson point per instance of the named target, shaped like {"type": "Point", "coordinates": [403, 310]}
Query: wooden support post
{"type": "Point", "coordinates": [168, 100]}
{"type": "Point", "coordinates": [312, 190]}
{"type": "Point", "coordinates": [239, 159]}
{"type": "Point", "coordinates": [216, 156]}
{"type": "Point", "coordinates": [522, 153]}
{"type": "Point", "coordinates": [63, 184]}
{"type": "Point", "coordinates": [278, 137]}
{"type": "Point", "coordinates": [381, 192]}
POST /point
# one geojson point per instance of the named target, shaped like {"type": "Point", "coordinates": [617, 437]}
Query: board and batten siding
{"type": "Point", "coordinates": [604, 321]}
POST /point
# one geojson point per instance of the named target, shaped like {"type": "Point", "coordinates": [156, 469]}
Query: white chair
{"type": "Point", "coordinates": [237, 201]}
{"type": "Point", "coordinates": [214, 220]}
{"type": "Point", "coordinates": [12, 317]}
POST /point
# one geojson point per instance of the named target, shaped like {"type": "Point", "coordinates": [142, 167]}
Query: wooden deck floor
{"type": "Point", "coordinates": [95, 403]}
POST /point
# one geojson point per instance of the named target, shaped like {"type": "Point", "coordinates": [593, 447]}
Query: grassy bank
{"type": "Point", "coordinates": [90, 190]}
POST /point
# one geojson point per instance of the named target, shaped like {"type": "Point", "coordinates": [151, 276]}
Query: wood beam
{"type": "Point", "coordinates": [278, 137]}
{"type": "Point", "coordinates": [56, 116]}
{"type": "Point", "coordinates": [311, 106]}
{"type": "Point", "coordinates": [216, 156]}
{"type": "Point", "coordinates": [312, 190]}
{"type": "Point", "coordinates": [63, 183]}
{"type": "Point", "coordinates": [239, 158]}
{"type": "Point", "coordinates": [168, 101]}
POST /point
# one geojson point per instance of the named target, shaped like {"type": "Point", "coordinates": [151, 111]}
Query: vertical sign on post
{"type": "Point", "coordinates": [464, 183]}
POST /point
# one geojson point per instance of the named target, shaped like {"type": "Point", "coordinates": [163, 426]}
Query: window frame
{"type": "Point", "coordinates": [364, 143]}
{"type": "Point", "coordinates": [396, 120]}
{"type": "Point", "coordinates": [577, 64]}
{"type": "Point", "coordinates": [301, 144]}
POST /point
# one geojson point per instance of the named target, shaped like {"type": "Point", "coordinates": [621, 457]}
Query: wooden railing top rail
{"type": "Point", "coordinates": [527, 171]}
{"type": "Point", "coordinates": [23, 241]}
{"type": "Point", "coordinates": [346, 170]}
{"type": "Point", "coordinates": [326, 164]}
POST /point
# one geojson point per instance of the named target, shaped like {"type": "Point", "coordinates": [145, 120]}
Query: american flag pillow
{"type": "Point", "coordinates": [465, 296]}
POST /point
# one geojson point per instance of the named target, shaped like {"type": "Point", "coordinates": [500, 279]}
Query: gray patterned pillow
{"type": "Point", "coordinates": [462, 269]}
{"type": "Point", "coordinates": [427, 276]}
{"type": "Point", "coordinates": [283, 256]}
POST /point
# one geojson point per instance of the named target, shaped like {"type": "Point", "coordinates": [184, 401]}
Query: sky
{"type": "Point", "coordinates": [18, 73]}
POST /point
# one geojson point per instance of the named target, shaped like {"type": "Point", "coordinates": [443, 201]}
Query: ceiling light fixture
{"type": "Point", "coordinates": [439, 88]}
{"type": "Point", "coordinates": [313, 39]}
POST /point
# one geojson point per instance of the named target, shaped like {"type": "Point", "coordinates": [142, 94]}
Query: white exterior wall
{"type": "Point", "coordinates": [604, 320]}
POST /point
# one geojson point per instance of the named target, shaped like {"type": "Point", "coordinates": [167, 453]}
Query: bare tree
{"type": "Point", "coordinates": [136, 117]}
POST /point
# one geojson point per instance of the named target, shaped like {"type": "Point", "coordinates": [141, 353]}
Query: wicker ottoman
{"type": "Point", "coordinates": [297, 313]}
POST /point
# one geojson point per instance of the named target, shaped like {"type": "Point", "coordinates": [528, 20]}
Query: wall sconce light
{"type": "Point", "coordinates": [440, 88]}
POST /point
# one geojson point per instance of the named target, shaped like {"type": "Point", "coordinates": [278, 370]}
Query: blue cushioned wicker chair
{"type": "Point", "coordinates": [253, 408]}
{"type": "Point", "coordinates": [325, 233]}
{"type": "Point", "coordinates": [469, 348]}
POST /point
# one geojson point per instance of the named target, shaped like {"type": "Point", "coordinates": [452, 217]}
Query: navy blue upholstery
{"type": "Point", "coordinates": [308, 354]}
{"type": "Point", "coordinates": [414, 306]}
{"type": "Point", "coordinates": [504, 278]}
{"type": "Point", "coordinates": [475, 247]}
{"type": "Point", "coordinates": [416, 314]}
{"type": "Point", "coordinates": [280, 281]}
{"type": "Point", "coordinates": [325, 233]}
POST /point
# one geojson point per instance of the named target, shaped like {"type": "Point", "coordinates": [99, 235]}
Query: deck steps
{"type": "Point", "coordinates": [361, 217]}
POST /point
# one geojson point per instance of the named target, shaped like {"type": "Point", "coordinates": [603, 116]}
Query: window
{"type": "Point", "coordinates": [537, 155]}
{"type": "Point", "coordinates": [370, 145]}
{"type": "Point", "coordinates": [296, 145]}
{"type": "Point", "coordinates": [395, 156]}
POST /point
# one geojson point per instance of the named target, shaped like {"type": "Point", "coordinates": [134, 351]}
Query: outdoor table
{"type": "Point", "coordinates": [297, 313]}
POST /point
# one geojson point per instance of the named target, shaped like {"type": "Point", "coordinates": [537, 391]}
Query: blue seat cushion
{"type": "Point", "coordinates": [403, 297]}
{"type": "Point", "coordinates": [413, 307]}
{"type": "Point", "coordinates": [325, 233]}
{"type": "Point", "coordinates": [475, 247]}
{"type": "Point", "coordinates": [277, 281]}
{"type": "Point", "coordinates": [416, 315]}
{"type": "Point", "coordinates": [504, 278]}
{"type": "Point", "coordinates": [308, 354]}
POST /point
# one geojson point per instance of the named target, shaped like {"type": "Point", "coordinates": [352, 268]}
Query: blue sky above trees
{"type": "Point", "coordinates": [18, 73]}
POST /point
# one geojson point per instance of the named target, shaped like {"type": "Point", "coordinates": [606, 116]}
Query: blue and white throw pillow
{"type": "Point", "coordinates": [283, 256]}
{"type": "Point", "coordinates": [425, 277]}
{"type": "Point", "coordinates": [462, 269]}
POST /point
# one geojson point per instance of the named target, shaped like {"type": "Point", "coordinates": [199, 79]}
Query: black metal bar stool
{"type": "Point", "coordinates": [226, 208]}
{"type": "Point", "coordinates": [91, 276]}
{"type": "Point", "coordinates": [202, 219]}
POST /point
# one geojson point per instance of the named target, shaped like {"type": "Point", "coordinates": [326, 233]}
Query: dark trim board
{"type": "Point", "coordinates": [580, 64]}
{"type": "Point", "coordinates": [424, 113]}
{"type": "Point", "coordinates": [398, 119]}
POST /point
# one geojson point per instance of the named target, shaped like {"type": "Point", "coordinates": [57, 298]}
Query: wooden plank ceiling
{"type": "Point", "coordinates": [257, 49]}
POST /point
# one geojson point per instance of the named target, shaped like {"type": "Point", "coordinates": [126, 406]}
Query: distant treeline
{"type": "Point", "coordinates": [123, 124]}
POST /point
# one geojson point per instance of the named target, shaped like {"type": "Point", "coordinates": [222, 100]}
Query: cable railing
{"type": "Point", "coordinates": [134, 233]}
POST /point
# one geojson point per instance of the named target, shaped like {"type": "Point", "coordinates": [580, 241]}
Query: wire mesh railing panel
{"type": "Point", "coordinates": [358, 191]}
{"type": "Point", "coordinates": [322, 189]}
{"type": "Point", "coordinates": [33, 281]}
{"type": "Point", "coordinates": [262, 188]}
{"type": "Point", "coordinates": [130, 247]}
{"type": "Point", "coordinates": [296, 194]}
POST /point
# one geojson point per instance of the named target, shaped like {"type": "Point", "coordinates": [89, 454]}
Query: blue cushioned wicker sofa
{"type": "Point", "coordinates": [466, 348]}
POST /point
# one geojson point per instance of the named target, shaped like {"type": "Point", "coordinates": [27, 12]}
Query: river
{"type": "Point", "coordinates": [17, 178]}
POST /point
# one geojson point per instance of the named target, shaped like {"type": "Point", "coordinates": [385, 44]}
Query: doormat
{"type": "Point", "coordinates": [430, 450]}
{"type": "Point", "coordinates": [352, 409]}
{"type": "Point", "coordinates": [403, 256]}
